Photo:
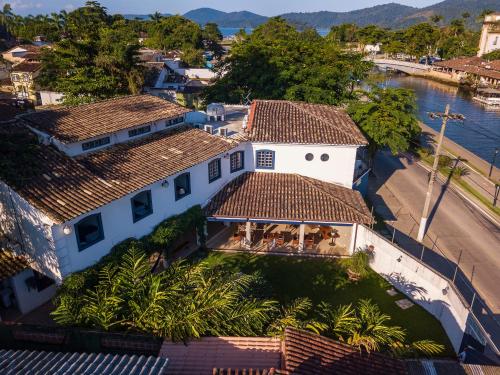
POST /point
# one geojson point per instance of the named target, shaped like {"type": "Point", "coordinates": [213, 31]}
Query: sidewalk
{"type": "Point", "coordinates": [476, 178]}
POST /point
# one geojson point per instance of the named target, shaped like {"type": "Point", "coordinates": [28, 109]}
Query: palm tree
{"type": "Point", "coordinates": [156, 17]}
{"type": "Point", "coordinates": [436, 19]}
{"type": "Point", "coordinates": [367, 328]}
{"type": "Point", "coordinates": [183, 302]}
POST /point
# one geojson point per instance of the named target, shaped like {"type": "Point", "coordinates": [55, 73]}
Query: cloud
{"type": "Point", "coordinates": [22, 5]}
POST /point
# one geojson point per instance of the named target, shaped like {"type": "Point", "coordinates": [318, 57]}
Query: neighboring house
{"type": "Point", "coordinates": [372, 48]}
{"type": "Point", "coordinates": [114, 169]}
{"type": "Point", "coordinates": [469, 69]}
{"type": "Point", "coordinates": [490, 34]}
{"type": "Point", "coordinates": [21, 286]}
{"type": "Point", "coordinates": [22, 53]}
{"type": "Point", "coordinates": [23, 77]}
{"type": "Point", "coordinates": [296, 352]}
{"type": "Point", "coordinates": [24, 362]}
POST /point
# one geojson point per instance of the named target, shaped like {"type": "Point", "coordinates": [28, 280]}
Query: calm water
{"type": "Point", "coordinates": [479, 133]}
{"type": "Point", "coordinates": [230, 31]}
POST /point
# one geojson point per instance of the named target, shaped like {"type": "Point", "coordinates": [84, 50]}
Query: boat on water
{"type": "Point", "coordinates": [489, 97]}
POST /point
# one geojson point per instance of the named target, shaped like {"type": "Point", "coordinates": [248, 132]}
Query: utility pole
{"type": "Point", "coordinates": [425, 213]}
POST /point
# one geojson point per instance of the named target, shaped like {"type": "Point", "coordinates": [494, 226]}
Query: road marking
{"type": "Point", "coordinates": [458, 190]}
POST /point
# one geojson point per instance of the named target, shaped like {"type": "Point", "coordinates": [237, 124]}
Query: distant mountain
{"type": "Point", "coordinates": [225, 19]}
{"type": "Point", "coordinates": [382, 15]}
{"type": "Point", "coordinates": [387, 15]}
{"type": "Point", "coordinates": [451, 9]}
{"type": "Point", "coordinates": [141, 16]}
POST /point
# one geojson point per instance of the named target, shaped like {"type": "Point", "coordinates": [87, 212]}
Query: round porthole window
{"type": "Point", "coordinates": [325, 157]}
{"type": "Point", "coordinates": [309, 157]}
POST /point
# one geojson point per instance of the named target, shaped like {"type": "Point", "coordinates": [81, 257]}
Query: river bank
{"type": "Point", "coordinates": [478, 136]}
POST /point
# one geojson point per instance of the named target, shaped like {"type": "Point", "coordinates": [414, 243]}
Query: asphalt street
{"type": "Point", "coordinates": [455, 227]}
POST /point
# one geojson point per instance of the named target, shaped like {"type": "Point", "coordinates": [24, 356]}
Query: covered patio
{"type": "Point", "coordinates": [284, 213]}
{"type": "Point", "coordinates": [317, 239]}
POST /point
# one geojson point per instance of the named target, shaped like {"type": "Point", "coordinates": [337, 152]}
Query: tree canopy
{"type": "Point", "coordinates": [278, 62]}
{"type": "Point", "coordinates": [388, 118]}
{"type": "Point", "coordinates": [98, 61]}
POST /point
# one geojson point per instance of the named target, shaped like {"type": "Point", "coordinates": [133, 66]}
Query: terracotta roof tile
{"type": "Point", "coordinates": [11, 264]}
{"type": "Point", "coordinates": [473, 65]}
{"type": "Point", "coordinates": [288, 197]}
{"type": "Point", "coordinates": [73, 124]}
{"type": "Point", "coordinates": [279, 121]}
{"type": "Point", "coordinates": [27, 67]}
{"type": "Point", "coordinates": [204, 355]}
{"type": "Point", "coordinates": [310, 354]}
{"type": "Point", "coordinates": [65, 188]}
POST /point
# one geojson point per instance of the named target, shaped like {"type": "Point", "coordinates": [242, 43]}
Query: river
{"type": "Point", "coordinates": [479, 133]}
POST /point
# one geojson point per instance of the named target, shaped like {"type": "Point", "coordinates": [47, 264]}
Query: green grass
{"type": "Point", "coordinates": [325, 280]}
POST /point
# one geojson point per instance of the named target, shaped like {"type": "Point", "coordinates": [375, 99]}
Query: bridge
{"type": "Point", "coordinates": [402, 66]}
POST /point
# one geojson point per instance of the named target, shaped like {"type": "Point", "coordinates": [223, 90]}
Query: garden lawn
{"type": "Point", "coordinates": [325, 280]}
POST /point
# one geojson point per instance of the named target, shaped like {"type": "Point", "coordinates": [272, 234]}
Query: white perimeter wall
{"type": "Point", "coordinates": [291, 159]}
{"type": "Point", "coordinates": [31, 229]}
{"type": "Point", "coordinates": [117, 216]}
{"type": "Point", "coordinates": [418, 282]}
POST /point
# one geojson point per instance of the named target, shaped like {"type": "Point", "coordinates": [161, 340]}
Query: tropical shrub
{"type": "Point", "coordinates": [183, 302]}
{"type": "Point", "coordinates": [367, 328]}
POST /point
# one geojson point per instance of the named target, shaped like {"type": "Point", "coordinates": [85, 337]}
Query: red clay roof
{"type": "Point", "coordinates": [473, 65]}
{"type": "Point", "coordinates": [65, 188]}
{"type": "Point", "coordinates": [208, 353]}
{"type": "Point", "coordinates": [279, 121]}
{"type": "Point", "coordinates": [11, 264]}
{"type": "Point", "coordinates": [27, 67]}
{"type": "Point", "coordinates": [73, 124]}
{"type": "Point", "coordinates": [310, 354]}
{"type": "Point", "coordinates": [281, 196]}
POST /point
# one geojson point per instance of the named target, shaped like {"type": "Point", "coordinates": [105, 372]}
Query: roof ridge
{"type": "Point", "coordinates": [307, 179]}
{"type": "Point", "coordinates": [341, 129]}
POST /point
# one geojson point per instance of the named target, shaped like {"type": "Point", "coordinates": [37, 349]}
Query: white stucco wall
{"type": "Point", "coordinates": [74, 149]}
{"type": "Point", "coordinates": [30, 229]}
{"type": "Point", "coordinates": [29, 299]}
{"type": "Point", "coordinates": [51, 97]}
{"type": "Point", "coordinates": [290, 158]}
{"type": "Point", "coordinates": [413, 278]}
{"type": "Point", "coordinates": [117, 216]}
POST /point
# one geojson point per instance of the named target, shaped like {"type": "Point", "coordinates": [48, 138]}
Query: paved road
{"type": "Point", "coordinates": [455, 224]}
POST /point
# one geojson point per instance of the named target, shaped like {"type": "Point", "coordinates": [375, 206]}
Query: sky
{"type": "Point", "coordinates": [264, 7]}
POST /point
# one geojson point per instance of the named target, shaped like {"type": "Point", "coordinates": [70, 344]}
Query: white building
{"type": "Point", "coordinates": [97, 174]}
{"type": "Point", "coordinates": [490, 34]}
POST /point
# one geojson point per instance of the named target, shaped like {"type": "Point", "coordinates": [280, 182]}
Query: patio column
{"type": "Point", "coordinates": [302, 230]}
{"type": "Point", "coordinates": [248, 230]}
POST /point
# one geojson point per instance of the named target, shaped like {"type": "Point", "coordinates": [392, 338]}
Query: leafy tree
{"type": "Point", "coordinates": [96, 64]}
{"type": "Point", "coordinates": [368, 329]}
{"type": "Point", "coordinates": [212, 38]}
{"type": "Point", "coordinates": [174, 32]}
{"type": "Point", "coordinates": [278, 62]}
{"type": "Point", "coordinates": [388, 118]}
{"type": "Point", "coordinates": [344, 33]}
{"type": "Point", "coordinates": [421, 39]}
{"type": "Point", "coordinates": [156, 17]}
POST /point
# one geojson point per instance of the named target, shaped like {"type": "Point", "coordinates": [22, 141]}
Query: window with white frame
{"type": "Point", "coordinates": [237, 161]}
{"type": "Point", "coordinates": [214, 170]}
{"type": "Point", "coordinates": [264, 159]}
